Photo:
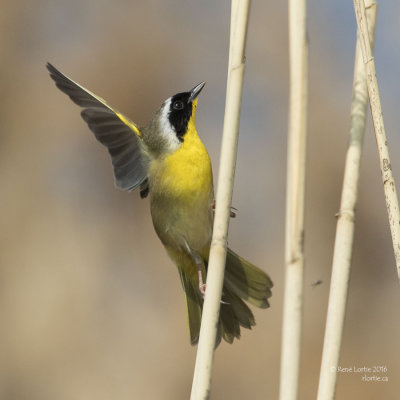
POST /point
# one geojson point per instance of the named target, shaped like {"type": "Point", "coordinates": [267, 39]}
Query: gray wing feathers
{"type": "Point", "coordinates": [122, 144]}
{"type": "Point", "coordinates": [111, 129]}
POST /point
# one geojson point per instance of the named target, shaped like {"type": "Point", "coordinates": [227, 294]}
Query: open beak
{"type": "Point", "coordinates": [196, 91]}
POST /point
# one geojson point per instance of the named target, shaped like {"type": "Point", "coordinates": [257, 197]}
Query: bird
{"type": "Point", "coordinates": [167, 161]}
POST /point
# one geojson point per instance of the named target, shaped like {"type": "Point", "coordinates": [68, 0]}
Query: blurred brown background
{"type": "Point", "coordinates": [91, 307]}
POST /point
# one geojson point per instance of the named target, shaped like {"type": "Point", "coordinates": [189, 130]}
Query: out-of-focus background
{"type": "Point", "coordinates": [91, 307]}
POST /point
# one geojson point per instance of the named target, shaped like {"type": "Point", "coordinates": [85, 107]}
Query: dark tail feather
{"type": "Point", "coordinates": [234, 313]}
{"type": "Point", "coordinates": [247, 281]}
{"type": "Point", "coordinates": [194, 303]}
{"type": "Point", "coordinates": [242, 281]}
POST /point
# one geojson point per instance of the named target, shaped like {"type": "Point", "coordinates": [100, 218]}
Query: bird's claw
{"type": "Point", "coordinates": [202, 288]}
{"type": "Point", "coordinates": [232, 213]}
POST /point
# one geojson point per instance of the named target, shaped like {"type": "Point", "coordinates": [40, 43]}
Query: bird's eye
{"type": "Point", "coordinates": [178, 105]}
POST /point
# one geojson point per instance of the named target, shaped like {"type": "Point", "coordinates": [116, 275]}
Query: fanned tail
{"type": "Point", "coordinates": [247, 281]}
{"type": "Point", "coordinates": [243, 281]}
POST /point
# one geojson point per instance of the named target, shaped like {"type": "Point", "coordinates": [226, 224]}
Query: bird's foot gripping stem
{"type": "Point", "coordinates": [202, 286]}
{"type": "Point", "coordinates": [232, 213]}
{"type": "Point", "coordinates": [200, 265]}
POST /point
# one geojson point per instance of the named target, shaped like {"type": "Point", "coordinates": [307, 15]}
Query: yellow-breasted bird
{"type": "Point", "coordinates": [168, 161]}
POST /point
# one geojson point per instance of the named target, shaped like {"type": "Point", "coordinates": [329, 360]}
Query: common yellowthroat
{"type": "Point", "coordinates": [167, 161]}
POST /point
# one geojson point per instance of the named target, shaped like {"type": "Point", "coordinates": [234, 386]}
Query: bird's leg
{"type": "Point", "coordinates": [232, 213]}
{"type": "Point", "coordinates": [202, 286]}
{"type": "Point", "coordinates": [200, 265]}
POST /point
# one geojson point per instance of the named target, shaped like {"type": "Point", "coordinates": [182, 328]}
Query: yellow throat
{"type": "Point", "coordinates": [187, 171]}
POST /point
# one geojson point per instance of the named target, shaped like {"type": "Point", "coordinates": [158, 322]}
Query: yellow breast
{"type": "Point", "coordinates": [187, 172]}
{"type": "Point", "coordinates": [181, 193]}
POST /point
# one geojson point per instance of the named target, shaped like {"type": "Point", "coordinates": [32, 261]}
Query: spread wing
{"type": "Point", "coordinates": [112, 129]}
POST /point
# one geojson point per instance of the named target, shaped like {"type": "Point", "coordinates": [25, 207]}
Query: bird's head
{"type": "Point", "coordinates": [167, 130]}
